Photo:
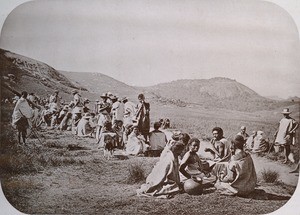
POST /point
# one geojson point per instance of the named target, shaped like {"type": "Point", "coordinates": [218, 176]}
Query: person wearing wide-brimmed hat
{"type": "Point", "coordinates": [239, 177]}
{"type": "Point", "coordinates": [286, 133]}
{"type": "Point", "coordinates": [103, 103]}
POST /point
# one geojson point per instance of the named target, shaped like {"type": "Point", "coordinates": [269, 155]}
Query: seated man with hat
{"type": "Point", "coordinates": [239, 176]}
{"type": "Point", "coordinates": [286, 133]}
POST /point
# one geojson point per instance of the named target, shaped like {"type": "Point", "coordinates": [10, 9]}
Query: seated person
{"type": "Point", "coordinates": [76, 116]}
{"type": "Point", "coordinates": [192, 166]}
{"type": "Point", "coordinates": [136, 143]}
{"type": "Point", "coordinates": [157, 138]}
{"type": "Point", "coordinates": [119, 130]}
{"type": "Point", "coordinates": [45, 117]}
{"type": "Point", "coordinates": [126, 133]}
{"type": "Point", "coordinates": [163, 181]}
{"type": "Point", "coordinates": [239, 177]}
{"type": "Point", "coordinates": [220, 147]}
{"type": "Point", "coordinates": [250, 141]}
{"type": "Point", "coordinates": [66, 122]}
{"type": "Point", "coordinates": [184, 138]}
{"type": "Point", "coordinates": [243, 133]}
{"type": "Point", "coordinates": [93, 123]}
{"type": "Point", "coordinates": [260, 142]}
{"type": "Point", "coordinates": [84, 128]}
{"type": "Point", "coordinates": [107, 129]}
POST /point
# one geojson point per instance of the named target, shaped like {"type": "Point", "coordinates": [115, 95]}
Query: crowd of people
{"type": "Point", "coordinates": [119, 123]}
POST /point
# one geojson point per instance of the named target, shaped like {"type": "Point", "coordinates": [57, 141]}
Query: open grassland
{"type": "Point", "coordinates": [66, 174]}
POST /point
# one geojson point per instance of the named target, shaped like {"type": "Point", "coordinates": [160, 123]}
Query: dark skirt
{"type": "Point", "coordinates": [22, 124]}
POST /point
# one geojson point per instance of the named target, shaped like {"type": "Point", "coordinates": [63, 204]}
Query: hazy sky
{"type": "Point", "coordinates": [148, 42]}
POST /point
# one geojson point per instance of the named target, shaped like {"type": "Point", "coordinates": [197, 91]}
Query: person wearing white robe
{"type": "Point", "coordinates": [286, 133]}
{"type": "Point", "coordinates": [136, 143]}
{"type": "Point", "coordinates": [164, 181]}
{"type": "Point", "coordinates": [21, 115]}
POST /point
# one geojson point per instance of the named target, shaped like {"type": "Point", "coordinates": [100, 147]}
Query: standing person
{"type": "Point", "coordinates": [117, 110]}
{"type": "Point", "coordinates": [243, 133]}
{"type": "Point", "coordinates": [54, 100]}
{"type": "Point", "coordinates": [143, 116]}
{"type": "Point", "coordinates": [102, 118]}
{"type": "Point", "coordinates": [104, 103]}
{"type": "Point", "coordinates": [239, 177]}
{"type": "Point", "coordinates": [220, 146]}
{"type": "Point", "coordinates": [129, 111]}
{"type": "Point", "coordinates": [286, 133]}
{"type": "Point", "coordinates": [77, 100]}
{"type": "Point", "coordinates": [86, 103]}
{"type": "Point", "coordinates": [22, 112]}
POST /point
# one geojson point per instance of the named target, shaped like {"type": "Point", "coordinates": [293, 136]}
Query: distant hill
{"type": "Point", "coordinates": [216, 93]}
{"type": "Point", "coordinates": [97, 83]}
{"type": "Point", "coordinates": [33, 76]}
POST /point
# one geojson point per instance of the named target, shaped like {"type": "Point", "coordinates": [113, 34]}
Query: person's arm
{"type": "Point", "coordinates": [231, 174]}
{"type": "Point", "coordinates": [295, 126]}
{"type": "Point", "coordinates": [184, 164]}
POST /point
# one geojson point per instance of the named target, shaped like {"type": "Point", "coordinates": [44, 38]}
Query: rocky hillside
{"type": "Point", "coordinates": [215, 93]}
{"type": "Point", "coordinates": [23, 73]}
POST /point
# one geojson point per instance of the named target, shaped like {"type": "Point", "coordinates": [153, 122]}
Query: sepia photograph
{"type": "Point", "coordinates": [150, 107]}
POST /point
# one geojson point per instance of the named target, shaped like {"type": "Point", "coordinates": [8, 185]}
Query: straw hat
{"type": "Point", "coordinates": [104, 95]}
{"type": "Point", "coordinates": [286, 111]}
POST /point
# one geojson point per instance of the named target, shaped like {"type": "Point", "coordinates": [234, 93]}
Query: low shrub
{"type": "Point", "coordinates": [136, 173]}
{"type": "Point", "coordinates": [270, 176]}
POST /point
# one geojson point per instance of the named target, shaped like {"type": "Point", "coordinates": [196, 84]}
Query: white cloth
{"type": "Point", "coordinates": [163, 181]}
{"type": "Point", "coordinates": [22, 108]}
{"type": "Point", "coordinates": [129, 112]}
{"type": "Point", "coordinates": [285, 127]}
{"type": "Point", "coordinates": [84, 127]}
{"type": "Point", "coordinates": [135, 144]}
{"type": "Point", "coordinates": [117, 111]}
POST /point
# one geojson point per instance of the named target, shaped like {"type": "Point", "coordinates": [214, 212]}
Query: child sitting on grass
{"type": "Point", "coordinates": [192, 166]}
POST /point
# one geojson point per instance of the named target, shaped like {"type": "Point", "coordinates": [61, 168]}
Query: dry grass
{"type": "Point", "coordinates": [68, 176]}
{"type": "Point", "coordinates": [270, 176]}
{"type": "Point", "coordinates": [136, 173]}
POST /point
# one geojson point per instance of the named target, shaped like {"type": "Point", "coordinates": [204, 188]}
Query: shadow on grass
{"type": "Point", "coordinates": [259, 194]}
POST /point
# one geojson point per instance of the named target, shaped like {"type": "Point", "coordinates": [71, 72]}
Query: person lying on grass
{"type": "Point", "coordinates": [239, 177]}
{"type": "Point", "coordinates": [192, 166]}
{"type": "Point", "coordinates": [164, 181]}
